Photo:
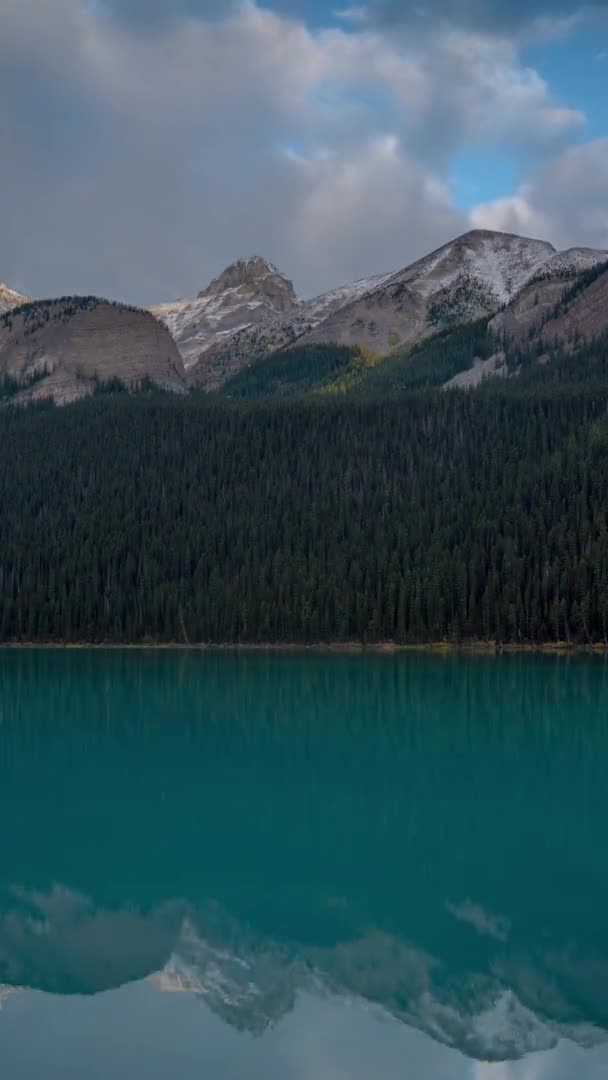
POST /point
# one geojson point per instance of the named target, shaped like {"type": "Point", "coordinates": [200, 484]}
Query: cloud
{"type": "Point", "coordinates": [138, 162]}
{"type": "Point", "coordinates": [477, 92]}
{"type": "Point", "coordinates": [370, 210]}
{"type": "Point", "coordinates": [565, 202]}
{"type": "Point", "coordinates": [60, 937]}
{"type": "Point", "coordinates": [481, 14]}
{"type": "Point", "coordinates": [152, 13]}
{"type": "Point", "coordinates": [486, 925]}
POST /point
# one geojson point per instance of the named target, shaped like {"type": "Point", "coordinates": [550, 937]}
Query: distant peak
{"type": "Point", "coordinates": [254, 276]}
{"type": "Point", "coordinates": [476, 235]}
{"type": "Point", "coordinates": [256, 264]}
{"type": "Point", "coordinates": [242, 272]}
{"type": "Point", "coordinates": [7, 289]}
{"type": "Point", "coordinates": [9, 298]}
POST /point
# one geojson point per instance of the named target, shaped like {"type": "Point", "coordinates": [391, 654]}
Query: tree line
{"type": "Point", "coordinates": [421, 516]}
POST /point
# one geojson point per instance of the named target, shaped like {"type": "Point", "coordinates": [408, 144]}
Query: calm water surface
{"type": "Point", "coordinates": [302, 868]}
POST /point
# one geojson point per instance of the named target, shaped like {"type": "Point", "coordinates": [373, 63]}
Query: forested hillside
{"type": "Point", "coordinates": [422, 516]}
{"type": "Point", "coordinates": [302, 370]}
{"type": "Point", "coordinates": [440, 361]}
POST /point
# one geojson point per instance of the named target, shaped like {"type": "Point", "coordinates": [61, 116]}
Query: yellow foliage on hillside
{"type": "Point", "coordinates": [363, 360]}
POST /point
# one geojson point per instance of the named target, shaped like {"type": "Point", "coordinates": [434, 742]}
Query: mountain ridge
{"type": "Point", "coordinates": [475, 275]}
{"type": "Point", "coordinates": [530, 293]}
{"type": "Point", "coordinates": [246, 292]}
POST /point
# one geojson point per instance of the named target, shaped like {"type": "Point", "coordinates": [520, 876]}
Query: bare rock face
{"type": "Point", "coordinates": [581, 315]}
{"type": "Point", "coordinates": [10, 299]}
{"type": "Point", "coordinates": [382, 320]}
{"type": "Point", "coordinates": [254, 279]}
{"type": "Point", "coordinates": [245, 294]}
{"type": "Point", "coordinates": [63, 349]}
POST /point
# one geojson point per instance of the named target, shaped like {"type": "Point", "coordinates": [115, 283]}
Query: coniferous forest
{"type": "Point", "coordinates": [411, 517]}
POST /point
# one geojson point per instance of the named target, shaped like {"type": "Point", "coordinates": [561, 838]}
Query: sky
{"type": "Point", "coordinates": [146, 144]}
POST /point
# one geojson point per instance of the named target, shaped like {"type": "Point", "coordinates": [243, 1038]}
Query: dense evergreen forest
{"type": "Point", "coordinates": [412, 516]}
{"type": "Point", "coordinates": [338, 369]}
{"type": "Point", "coordinates": [328, 369]}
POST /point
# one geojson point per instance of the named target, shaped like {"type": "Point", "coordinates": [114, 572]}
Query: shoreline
{"type": "Point", "coordinates": [447, 648]}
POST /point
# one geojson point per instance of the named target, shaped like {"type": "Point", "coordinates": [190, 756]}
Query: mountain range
{"type": "Point", "coordinates": [523, 288]}
{"type": "Point", "coordinates": [474, 276]}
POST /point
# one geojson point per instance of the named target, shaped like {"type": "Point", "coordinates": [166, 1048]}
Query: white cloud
{"type": "Point", "coordinates": [565, 202]}
{"type": "Point", "coordinates": [481, 93]}
{"type": "Point", "coordinates": [352, 14]}
{"type": "Point", "coordinates": [138, 163]}
{"type": "Point", "coordinates": [512, 213]}
{"type": "Point", "coordinates": [367, 210]}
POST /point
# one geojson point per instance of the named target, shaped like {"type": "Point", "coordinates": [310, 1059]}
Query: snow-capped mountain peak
{"type": "Point", "coordinates": [500, 263]}
{"type": "Point", "coordinates": [247, 292]}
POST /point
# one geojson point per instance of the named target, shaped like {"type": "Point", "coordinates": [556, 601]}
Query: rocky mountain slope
{"type": "Point", "coordinates": [248, 292]}
{"type": "Point", "coordinates": [226, 356]}
{"type": "Point", "coordinates": [569, 298]}
{"type": "Point", "coordinates": [470, 277]}
{"type": "Point", "coordinates": [62, 349]}
{"type": "Point", "coordinates": [476, 275]}
{"type": "Point", "coordinates": [562, 312]}
{"type": "Point", "coordinates": [10, 299]}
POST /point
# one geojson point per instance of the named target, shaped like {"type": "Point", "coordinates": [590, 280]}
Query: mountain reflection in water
{"type": "Point", "coordinates": [417, 839]}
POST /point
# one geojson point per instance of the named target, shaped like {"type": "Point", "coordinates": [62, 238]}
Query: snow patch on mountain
{"type": "Point", "coordinates": [499, 262]}
{"type": "Point", "coordinates": [10, 299]}
{"type": "Point", "coordinates": [320, 307]}
{"type": "Point", "coordinates": [572, 262]}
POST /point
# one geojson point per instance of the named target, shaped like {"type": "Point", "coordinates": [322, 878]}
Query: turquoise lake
{"type": "Point", "coordinates": [284, 867]}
